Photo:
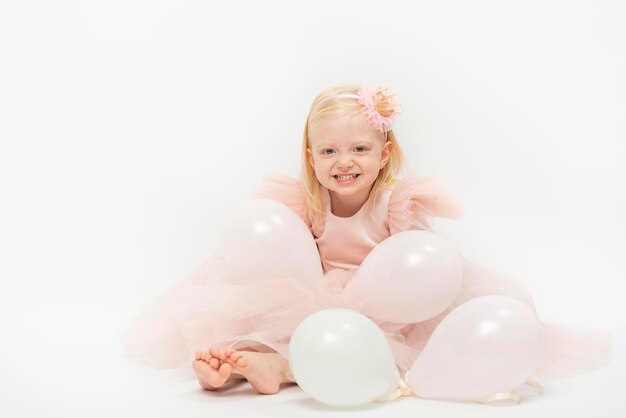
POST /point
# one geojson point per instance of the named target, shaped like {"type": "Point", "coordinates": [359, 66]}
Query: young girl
{"type": "Point", "coordinates": [231, 328]}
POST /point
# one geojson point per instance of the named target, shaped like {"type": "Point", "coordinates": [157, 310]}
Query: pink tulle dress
{"type": "Point", "coordinates": [211, 307]}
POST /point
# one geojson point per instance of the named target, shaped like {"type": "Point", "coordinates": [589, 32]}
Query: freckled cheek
{"type": "Point", "coordinates": [322, 170]}
{"type": "Point", "coordinates": [323, 167]}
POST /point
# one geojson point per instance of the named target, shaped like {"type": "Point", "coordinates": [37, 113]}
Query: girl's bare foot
{"type": "Point", "coordinates": [212, 369]}
{"type": "Point", "coordinates": [264, 371]}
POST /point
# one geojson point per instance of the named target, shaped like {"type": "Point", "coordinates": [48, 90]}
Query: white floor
{"type": "Point", "coordinates": [65, 361]}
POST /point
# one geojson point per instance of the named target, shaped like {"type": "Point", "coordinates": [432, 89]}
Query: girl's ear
{"type": "Point", "coordinates": [386, 153]}
{"type": "Point", "coordinates": [310, 154]}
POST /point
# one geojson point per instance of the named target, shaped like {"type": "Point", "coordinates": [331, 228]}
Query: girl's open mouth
{"type": "Point", "coordinates": [346, 179]}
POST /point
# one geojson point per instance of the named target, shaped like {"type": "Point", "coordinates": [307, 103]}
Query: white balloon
{"type": "Point", "coordinates": [341, 358]}
{"type": "Point", "coordinates": [266, 239]}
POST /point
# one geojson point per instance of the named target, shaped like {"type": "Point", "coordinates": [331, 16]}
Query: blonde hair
{"type": "Point", "coordinates": [333, 108]}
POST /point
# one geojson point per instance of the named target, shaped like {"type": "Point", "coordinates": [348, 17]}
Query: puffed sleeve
{"type": "Point", "coordinates": [414, 199]}
{"type": "Point", "coordinates": [284, 189]}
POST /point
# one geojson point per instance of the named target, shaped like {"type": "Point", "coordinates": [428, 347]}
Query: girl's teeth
{"type": "Point", "coordinates": [346, 177]}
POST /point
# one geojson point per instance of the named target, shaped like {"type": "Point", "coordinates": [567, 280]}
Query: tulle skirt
{"type": "Point", "coordinates": [211, 307]}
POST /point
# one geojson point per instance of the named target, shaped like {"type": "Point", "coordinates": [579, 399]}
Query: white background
{"type": "Point", "coordinates": [130, 129]}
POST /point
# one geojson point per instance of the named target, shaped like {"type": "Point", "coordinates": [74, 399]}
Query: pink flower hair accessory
{"type": "Point", "coordinates": [378, 106]}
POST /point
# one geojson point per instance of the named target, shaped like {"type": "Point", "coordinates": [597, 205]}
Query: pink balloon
{"type": "Point", "coordinates": [265, 239]}
{"type": "Point", "coordinates": [411, 276]}
{"type": "Point", "coordinates": [487, 345]}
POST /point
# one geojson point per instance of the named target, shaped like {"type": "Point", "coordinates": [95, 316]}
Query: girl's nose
{"type": "Point", "coordinates": [347, 163]}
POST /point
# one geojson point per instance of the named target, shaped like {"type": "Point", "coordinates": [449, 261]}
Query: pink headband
{"type": "Point", "coordinates": [377, 105]}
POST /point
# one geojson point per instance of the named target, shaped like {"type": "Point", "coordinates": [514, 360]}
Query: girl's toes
{"type": "Point", "coordinates": [215, 352]}
{"type": "Point", "coordinates": [198, 353]}
{"type": "Point", "coordinates": [235, 356]}
{"type": "Point", "coordinates": [215, 363]}
{"type": "Point", "coordinates": [242, 362]}
{"type": "Point", "coordinates": [225, 370]}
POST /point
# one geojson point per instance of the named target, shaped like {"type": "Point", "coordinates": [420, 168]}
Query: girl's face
{"type": "Point", "coordinates": [347, 145]}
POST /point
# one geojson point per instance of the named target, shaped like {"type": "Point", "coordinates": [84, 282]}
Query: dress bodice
{"type": "Point", "coordinates": [346, 241]}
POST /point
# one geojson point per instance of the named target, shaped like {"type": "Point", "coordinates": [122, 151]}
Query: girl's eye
{"type": "Point", "coordinates": [330, 151]}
